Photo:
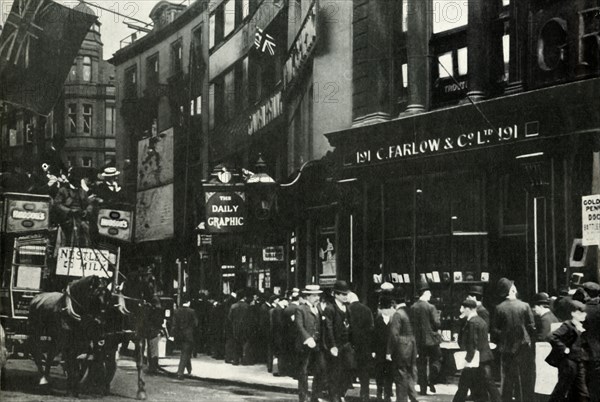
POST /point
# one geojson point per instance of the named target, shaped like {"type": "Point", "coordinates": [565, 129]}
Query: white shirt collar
{"type": "Point", "coordinates": [342, 306]}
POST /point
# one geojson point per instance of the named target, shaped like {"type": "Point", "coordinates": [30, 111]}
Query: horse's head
{"type": "Point", "coordinates": [141, 286]}
{"type": "Point", "coordinates": [90, 295]}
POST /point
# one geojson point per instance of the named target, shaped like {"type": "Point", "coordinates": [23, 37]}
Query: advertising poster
{"type": "Point", "coordinates": [326, 261]}
{"type": "Point", "coordinates": [115, 224]}
{"type": "Point", "coordinates": [26, 215]}
{"type": "Point", "coordinates": [155, 160]}
{"type": "Point", "coordinates": [82, 261]}
{"type": "Point", "coordinates": [154, 214]}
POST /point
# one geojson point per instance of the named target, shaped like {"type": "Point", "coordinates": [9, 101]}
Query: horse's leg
{"type": "Point", "coordinates": [35, 351]}
{"type": "Point", "coordinates": [110, 366]}
{"type": "Point", "coordinates": [139, 354]}
{"type": "Point", "coordinates": [50, 355]}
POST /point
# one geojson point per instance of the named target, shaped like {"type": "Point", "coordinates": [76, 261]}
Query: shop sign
{"type": "Point", "coordinates": [204, 240]}
{"type": "Point", "coordinates": [225, 211]}
{"type": "Point", "coordinates": [590, 219]}
{"type": "Point", "coordinates": [26, 216]}
{"type": "Point", "coordinates": [302, 48]}
{"type": "Point", "coordinates": [265, 114]}
{"type": "Point", "coordinates": [480, 138]}
{"type": "Point", "coordinates": [81, 261]}
{"type": "Point", "coordinates": [273, 254]}
{"type": "Point", "coordinates": [115, 224]}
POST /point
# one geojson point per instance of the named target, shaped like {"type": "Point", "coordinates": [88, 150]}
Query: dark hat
{"type": "Point", "coordinates": [423, 286]}
{"type": "Point", "coordinates": [472, 304]}
{"type": "Point", "coordinates": [312, 290]}
{"type": "Point", "coordinates": [341, 287]}
{"type": "Point", "coordinates": [385, 300]}
{"type": "Point", "coordinates": [273, 298]}
{"type": "Point", "coordinates": [476, 290]}
{"type": "Point", "coordinates": [541, 299]}
{"type": "Point", "coordinates": [575, 305]}
{"type": "Point", "coordinates": [504, 285]}
{"type": "Point", "coordinates": [592, 289]}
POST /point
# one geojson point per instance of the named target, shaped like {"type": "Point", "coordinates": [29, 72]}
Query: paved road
{"type": "Point", "coordinates": [21, 385]}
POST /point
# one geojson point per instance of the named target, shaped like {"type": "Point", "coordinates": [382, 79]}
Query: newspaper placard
{"type": "Point", "coordinates": [76, 261]}
{"type": "Point", "coordinates": [590, 219]}
{"type": "Point", "coordinates": [546, 376]}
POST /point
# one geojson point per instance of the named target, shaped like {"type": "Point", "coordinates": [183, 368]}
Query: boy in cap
{"type": "Point", "coordinates": [309, 344]}
{"type": "Point", "coordinates": [476, 294]}
{"type": "Point", "coordinates": [426, 322]}
{"type": "Point", "coordinates": [513, 329]}
{"type": "Point", "coordinates": [477, 373]}
{"type": "Point", "coordinates": [569, 355]}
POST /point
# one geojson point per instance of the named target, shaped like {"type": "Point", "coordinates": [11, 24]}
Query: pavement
{"type": "Point", "coordinates": [206, 368]}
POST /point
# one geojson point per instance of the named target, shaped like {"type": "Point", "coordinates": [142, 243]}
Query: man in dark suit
{"type": "Point", "coordinates": [276, 318]}
{"type": "Point", "coordinates": [426, 322]}
{"type": "Point", "coordinates": [266, 310]}
{"type": "Point", "coordinates": [288, 362]}
{"type": "Point", "coordinates": [544, 318]}
{"type": "Point", "coordinates": [477, 374]}
{"type": "Point", "coordinates": [337, 342]}
{"type": "Point", "coordinates": [361, 322]}
{"type": "Point", "coordinates": [239, 320]}
{"type": "Point", "coordinates": [513, 329]}
{"type": "Point", "coordinates": [383, 366]}
{"type": "Point", "coordinates": [184, 324]}
{"type": "Point", "coordinates": [309, 344]}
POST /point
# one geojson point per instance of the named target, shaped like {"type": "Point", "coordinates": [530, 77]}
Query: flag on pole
{"type": "Point", "coordinates": [39, 41]}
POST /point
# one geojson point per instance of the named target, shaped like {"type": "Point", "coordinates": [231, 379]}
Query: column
{"type": "Point", "coordinates": [419, 60]}
{"type": "Point", "coordinates": [479, 46]}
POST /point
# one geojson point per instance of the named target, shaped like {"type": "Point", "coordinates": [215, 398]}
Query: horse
{"type": "Point", "coordinates": [69, 321]}
{"type": "Point", "coordinates": [136, 316]}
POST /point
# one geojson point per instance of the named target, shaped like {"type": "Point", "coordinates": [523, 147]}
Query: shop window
{"type": "Point", "coordinates": [87, 69]}
{"type": "Point", "coordinates": [177, 58]}
{"type": "Point", "coordinates": [110, 124]}
{"type": "Point", "coordinates": [462, 61]}
{"type": "Point", "coordinates": [86, 161]}
{"type": "Point", "coordinates": [404, 15]}
{"type": "Point", "coordinates": [72, 118]}
{"type": "Point", "coordinates": [405, 75]}
{"type": "Point", "coordinates": [87, 119]}
{"type": "Point", "coordinates": [445, 65]}
{"type": "Point", "coordinates": [506, 55]}
{"type": "Point", "coordinates": [449, 15]}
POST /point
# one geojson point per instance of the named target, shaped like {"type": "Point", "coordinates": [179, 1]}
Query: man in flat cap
{"type": "Point", "coordinates": [513, 330]}
{"type": "Point", "coordinates": [426, 322]}
{"type": "Point", "coordinates": [309, 344]}
{"type": "Point", "coordinates": [337, 341]}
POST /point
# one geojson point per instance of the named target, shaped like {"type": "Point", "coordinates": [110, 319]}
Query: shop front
{"type": "Point", "coordinates": [469, 194]}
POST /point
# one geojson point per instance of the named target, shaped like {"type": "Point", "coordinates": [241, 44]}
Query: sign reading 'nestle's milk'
{"type": "Point", "coordinates": [83, 261]}
{"type": "Point", "coordinates": [590, 219]}
{"type": "Point", "coordinates": [225, 212]}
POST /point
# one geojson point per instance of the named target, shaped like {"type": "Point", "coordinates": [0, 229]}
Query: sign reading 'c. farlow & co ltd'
{"type": "Point", "coordinates": [115, 224]}
{"type": "Point", "coordinates": [225, 211]}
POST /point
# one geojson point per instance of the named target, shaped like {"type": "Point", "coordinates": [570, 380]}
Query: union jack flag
{"type": "Point", "coordinates": [264, 41]}
{"type": "Point", "coordinates": [15, 46]}
{"type": "Point", "coordinates": [38, 44]}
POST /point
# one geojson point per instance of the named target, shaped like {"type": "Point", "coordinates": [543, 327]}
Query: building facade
{"type": "Point", "coordinates": [161, 95]}
{"type": "Point", "coordinates": [469, 165]}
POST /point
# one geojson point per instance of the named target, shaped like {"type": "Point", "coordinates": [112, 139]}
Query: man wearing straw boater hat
{"type": "Point", "coordinates": [109, 190]}
{"type": "Point", "coordinates": [309, 344]}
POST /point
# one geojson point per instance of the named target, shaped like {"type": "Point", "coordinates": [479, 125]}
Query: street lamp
{"type": "Point", "coordinates": [262, 188]}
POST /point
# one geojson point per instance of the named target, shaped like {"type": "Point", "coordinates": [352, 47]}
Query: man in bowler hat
{"type": "Point", "coordinates": [426, 322]}
{"type": "Point", "coordinates": [513, 329]}
{"type": "Point", "coordinates": [544, 317]}
{"type": "Point", "coordinates": [361, 322]}
{"type": "Point", "coordinates": [476, 294]}
{"type": "Point", "coordinates": [337, 342]}
{"type": "Point", "coordinates": [309, 344]}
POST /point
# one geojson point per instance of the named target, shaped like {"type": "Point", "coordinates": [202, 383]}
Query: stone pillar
{"type": "Point", "coordinates": [519, 26]}
{"type": "Point", "coordinates": [371, 61]}
{"type": "Point", "coordinates": [419, 60]}
{"type": "Point", "coordinates": [479, 45]}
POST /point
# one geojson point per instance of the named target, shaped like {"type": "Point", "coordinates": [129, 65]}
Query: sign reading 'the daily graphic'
{"type": "Point", "coordinates": [225, 212]}
{"type": "Point", "coordinates": [76, 261]}
{"type": "Point", "coordinates": [590, 219]}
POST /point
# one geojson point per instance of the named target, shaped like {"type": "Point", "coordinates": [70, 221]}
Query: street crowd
{"type": "Point", "coordinates": [331, 335]}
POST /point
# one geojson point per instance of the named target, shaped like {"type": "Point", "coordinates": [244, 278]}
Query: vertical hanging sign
{"type": "Point", "coordinates": [590, 219]}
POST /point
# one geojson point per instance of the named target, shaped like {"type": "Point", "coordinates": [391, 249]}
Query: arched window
{"type": "Point", "coordinates": [87, 69]}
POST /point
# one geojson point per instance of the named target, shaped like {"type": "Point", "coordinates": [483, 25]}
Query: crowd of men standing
{"type": "Point", "coordinates": [338, 339]}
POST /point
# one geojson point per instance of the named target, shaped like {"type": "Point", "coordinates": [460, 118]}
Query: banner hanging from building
{"type": "Point", "coordinates": [590, 219]}
{"type": "Point", "coordinates": [154, 214]}
{"type": "Point", "coordinates": [225, 211]}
